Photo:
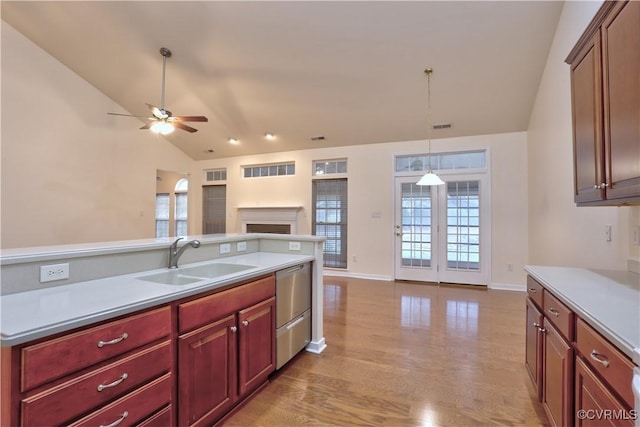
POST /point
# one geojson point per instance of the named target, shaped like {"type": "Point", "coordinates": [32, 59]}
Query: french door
{"type": "Point", "coordinates": [442, 232]}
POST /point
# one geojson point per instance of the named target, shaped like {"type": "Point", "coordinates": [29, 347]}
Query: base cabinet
{"type": "Point", "coordinates": [533, 353]}
{"type": "Point", "coordinates": [229, 354]}
{"type": "Point", "coordinates": [557, 377]}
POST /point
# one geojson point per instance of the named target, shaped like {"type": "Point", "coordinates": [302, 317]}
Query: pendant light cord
{"type": "Point", "coordinates": [428, 72]}
{"type": "Point", "coordinates": [164, 65]}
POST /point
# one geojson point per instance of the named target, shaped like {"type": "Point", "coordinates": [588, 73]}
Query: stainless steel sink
{"type": "Point", "coordinates": [217, 269]}
{"type": "Point", "coordinates": [188, 275]}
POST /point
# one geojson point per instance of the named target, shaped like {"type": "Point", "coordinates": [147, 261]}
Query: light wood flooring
{"type": "Point", "coordinates": [402, 354]}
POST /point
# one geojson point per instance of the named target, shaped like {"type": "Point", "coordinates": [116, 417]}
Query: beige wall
{"type": "Point", "coordinates": [559, 232]}
{"type": "Point", "coordinates": [370, 175]}
{"type": "Point", "coordinates": [70, 172]}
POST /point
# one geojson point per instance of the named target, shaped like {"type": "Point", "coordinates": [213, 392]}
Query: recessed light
{"type": "Point", "coordinates": [210, 150]}
{"type": "Point", "coordinates": [269, 136]}
{"type": "Point", "coordinates": [233, 141]}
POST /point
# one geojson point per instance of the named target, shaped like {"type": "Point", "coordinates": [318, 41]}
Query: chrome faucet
{"type": "Point", "coordinates": [175, 253]}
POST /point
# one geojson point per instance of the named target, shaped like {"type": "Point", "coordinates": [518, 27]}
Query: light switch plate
{"type": "Point", "coordinates": [294, 246]}
{"type": "Point", "coordinates": [225, 248]}
{"type": "Point", "coordinates": [241, 246]}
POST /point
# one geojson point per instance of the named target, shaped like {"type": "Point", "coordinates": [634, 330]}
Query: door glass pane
{"type": "Point", "coordinates": [463, 225]}
{"type": "Point", "coordinates": [416, 225]}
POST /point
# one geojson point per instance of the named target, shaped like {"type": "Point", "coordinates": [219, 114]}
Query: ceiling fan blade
{"type": "Point", "coordinates": [126, 115]}
{"type": "Point", "coordinates": [190, 119]}
{"type": "Point", "coordinates": [148, 125]}
{"type": "Point", "coordinates": [184, 127]}
{"type": "Point", "coordinates": [159, 112]}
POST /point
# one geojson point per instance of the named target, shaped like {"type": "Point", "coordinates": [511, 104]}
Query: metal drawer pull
{"type": "Point", "coordinates": [245, 323]}
{"type": "Point", "coordinates": [113, 341]}
{"type": "Point", "coordinates": [233, 328]}
{"type": "Point", "coordinates": [113, 384]}
{"type": "Point", "coordinates": [301, 319]}
{"type": "Point", "coordinates": [599, 357]}
{"type": "Point", "coordinates": [532, 290]}
{"type": "Point", "coordinates": [554, 311]}
{"type": "Point", "coordinates": [124, 415]}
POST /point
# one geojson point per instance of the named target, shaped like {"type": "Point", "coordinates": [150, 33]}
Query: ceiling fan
{"type": "Point", "coordinates": [163, 121]}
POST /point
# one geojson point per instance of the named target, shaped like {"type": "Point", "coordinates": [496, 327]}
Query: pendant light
{"type": "Point", "coordinates": [429, 178]}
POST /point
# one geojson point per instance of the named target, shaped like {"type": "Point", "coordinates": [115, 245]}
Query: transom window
{"type": "Point", "coordinates": [442, 161]}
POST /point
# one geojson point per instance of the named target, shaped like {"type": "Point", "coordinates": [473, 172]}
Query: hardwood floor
{"type": "Point", "coordinates": [402, 354]}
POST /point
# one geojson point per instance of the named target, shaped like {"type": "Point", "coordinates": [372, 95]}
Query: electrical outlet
{"type": "Point", "coordinates": [241, 246]}
{"type": "Point", "coordinates": [294, 246]}
{"type": "Point", "coordinates": [636, 235]}
{"type": "Point", "coordinates": [225, 248]}
{"type": "Point", "coordinates": [49, 273]}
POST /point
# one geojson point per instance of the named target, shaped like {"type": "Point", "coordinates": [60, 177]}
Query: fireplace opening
{"type": "Point", "coordinates": [269, 228]}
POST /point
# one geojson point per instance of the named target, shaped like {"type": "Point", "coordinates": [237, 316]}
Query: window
{"type": "Point", "coordinates": [180, 213]}
{"type": "Point", "coordinates": [214, 205]}
{"type": "Point", "coordinates": [212, 175]}
{"type": "Point", "coordinates": [280, 169]}
{"type": "Point", "coordinates": [329, 167]}
{"type": "Point", "coordinates": [441, 161]}
{"type": "Point", "coordinates": [330, 219]}
{"type": "Point", "coordinates": [162, 215]}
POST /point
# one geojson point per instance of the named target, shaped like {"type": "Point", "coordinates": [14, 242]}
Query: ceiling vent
{"type": "Point", "coordinates": [442, 126]}
{"type": "Point", "coordinates": [318, 138]}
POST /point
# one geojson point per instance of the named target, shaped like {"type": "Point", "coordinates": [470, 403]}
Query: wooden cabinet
{"type": "Point", "coordinates": [557, 381]}
{"type": "Point", "coordinates": [595, 404]}
{"type": "Point", "coordinates": [533, 353]}
{"type": "Point", "coordinates": [605, 95]}
{"type": "Point", "coordinates": [97, 375]}
{"type": "Point", "coordinates": [229, 354]}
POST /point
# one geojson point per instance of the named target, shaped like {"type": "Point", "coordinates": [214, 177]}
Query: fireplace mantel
{"type": "Point", "coordinates": [269, 215]}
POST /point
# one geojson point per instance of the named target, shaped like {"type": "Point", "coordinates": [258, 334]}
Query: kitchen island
{"type": "Point", "coordinates": [124, 321]}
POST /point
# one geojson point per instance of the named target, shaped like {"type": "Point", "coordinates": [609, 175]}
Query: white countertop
{"type": "Point", "coordinates": [608, 300]}
{"type": "Point", "coordinates": [35, 314]}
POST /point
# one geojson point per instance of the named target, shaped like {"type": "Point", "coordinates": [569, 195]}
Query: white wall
{"type": "Point", "coordinates": [559, 232]}
{"type": "Point", "coordinates": [70, 172]}
{"type": "Point", "coordinates": [370, 175]}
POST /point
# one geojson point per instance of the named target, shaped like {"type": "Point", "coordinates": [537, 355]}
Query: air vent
{"type": "Point", "coordinates": [442, 126]}
{"type": "Point", "coordinates": [318, 138]}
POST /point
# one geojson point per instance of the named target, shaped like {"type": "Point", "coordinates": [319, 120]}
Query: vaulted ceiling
{"type": "Point", "coordinates": [349, 71]}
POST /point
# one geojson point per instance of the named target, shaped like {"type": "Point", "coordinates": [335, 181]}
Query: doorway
{"type": "Point", "coordinates": [442, 232]}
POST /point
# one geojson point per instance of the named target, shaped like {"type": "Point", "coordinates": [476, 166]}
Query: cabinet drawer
{"type": "Point", "coordinates": [559, 314]}
{"type": "Point", "coordinates": [613, 366]}
{"type": "Point", "coordinates": [79, 395]}
{"type": "Point", "coordinates": [134, 407]}
{"type": "Point", "coordinates": [163, 418]}
{"type": "Point", "coordinates": [205, 310]}
{"type": "Point", "coordinates": [534, 290]}
{"type": "Point", "coordinates": [53, 359]}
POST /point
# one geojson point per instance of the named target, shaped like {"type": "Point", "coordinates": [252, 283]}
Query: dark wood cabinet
{"type": "Point", "coordinates": [207, 372]}
{"type": "Point", "coordinates": [605, 96]}
{"type": "Point", "coordinates": [557, 381]}
{"type": "Point", "coordinates": [257, 346]}
{"type": "Point", "coordinates": [533, 353]}
{"type": "Point", "coordinates": [229, 354]}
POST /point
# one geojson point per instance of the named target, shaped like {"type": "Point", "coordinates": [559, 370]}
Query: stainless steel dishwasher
{"type": "Point", "coordinates": [293, 312]}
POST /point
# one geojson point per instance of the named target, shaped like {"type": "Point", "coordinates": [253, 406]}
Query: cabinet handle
{"type": "Point", "coordinates": [532, 290]}
{"type": "Point", "coordinates": [113, 341]}
{"type": "Point", "coordinates": [233, 328]}
{"type": "Point", "coordinates": [554, 312]}
{"type": "Point", "coordinates": [536, 324]}
{"type": "Point", "coordinates": [124, 415]}
{"type": "Point", "coordinates": [542, 330]}
{"type": "Point", "coordinates": [245, 323]}
{"type": "Point", "coordinates": [600, 358]}
{"type": "Point", "coordinates": [113, 384]}
{"type": "Point", "coordinates": [601, 186]}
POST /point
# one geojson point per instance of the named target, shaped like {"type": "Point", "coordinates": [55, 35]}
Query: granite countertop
{"type": "Point", "coordinates": [39, 313]}
{"type": "Point", "coordinates": [608, 300]}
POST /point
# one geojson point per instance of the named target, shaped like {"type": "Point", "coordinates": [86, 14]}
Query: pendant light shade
{"type": "Point", "coordinates": [429, 178]}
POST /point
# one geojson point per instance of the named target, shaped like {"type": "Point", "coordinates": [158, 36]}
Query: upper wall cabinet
{"type": "Point", "coordinates": [605, 100]}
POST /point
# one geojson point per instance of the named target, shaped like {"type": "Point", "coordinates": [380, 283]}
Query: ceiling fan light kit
{"type": "Point", "coordinates": [163, 122]}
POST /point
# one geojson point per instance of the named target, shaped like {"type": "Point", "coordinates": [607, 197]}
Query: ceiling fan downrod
{"type": "Point", "coordinates": [166, 53]}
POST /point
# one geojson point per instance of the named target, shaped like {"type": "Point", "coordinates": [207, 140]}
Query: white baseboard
{"type": "Point", "coordinates": [507, 287]}
{"type": "Point", "coordinates": [344, 273]}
